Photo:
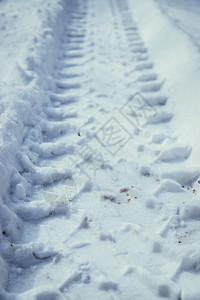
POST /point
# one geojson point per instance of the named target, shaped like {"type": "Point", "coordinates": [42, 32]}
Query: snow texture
{"type": "Point", "coordinates": [99, 160]}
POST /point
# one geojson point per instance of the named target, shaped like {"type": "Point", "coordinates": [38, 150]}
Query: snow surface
{"type": "Point", "coordinates": [99, 160]}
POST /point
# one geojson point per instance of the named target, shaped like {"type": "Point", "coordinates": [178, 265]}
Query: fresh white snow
{"type": "Point", "coordinates": [99, 150]}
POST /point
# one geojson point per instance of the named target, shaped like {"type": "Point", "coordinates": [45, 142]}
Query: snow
{"type": "Point", "coordinates": [99, 172]}
{"type": "Point", "coordinates": [177, 59]}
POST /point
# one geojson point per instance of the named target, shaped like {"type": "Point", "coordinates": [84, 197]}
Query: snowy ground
{"type": "Point", "coordinates": [99, 168]}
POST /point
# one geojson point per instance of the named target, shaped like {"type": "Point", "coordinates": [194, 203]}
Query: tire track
{"type": "Point", "coordinates": [102, 66]}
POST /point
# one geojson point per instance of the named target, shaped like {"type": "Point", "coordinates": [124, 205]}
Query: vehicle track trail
{"type": "Point", "coordinates": [124, 229]}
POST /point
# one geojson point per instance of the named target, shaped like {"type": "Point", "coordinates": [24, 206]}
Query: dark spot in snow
{"type": "Point", "coordinates": [124, 190]}
{"type": "Point", "coordinates": [34, 254]}
{"type": "Point", "coordinates": [111, 198]}
{"type": "Point", "coordinates": [87, 279]}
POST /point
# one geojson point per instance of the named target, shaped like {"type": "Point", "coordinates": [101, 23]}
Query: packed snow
{"type": "Point", "coordinates": [99, 149]}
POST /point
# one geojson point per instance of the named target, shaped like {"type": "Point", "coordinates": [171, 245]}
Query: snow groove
{"type": "Point", "coordinates": [104, 240]}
